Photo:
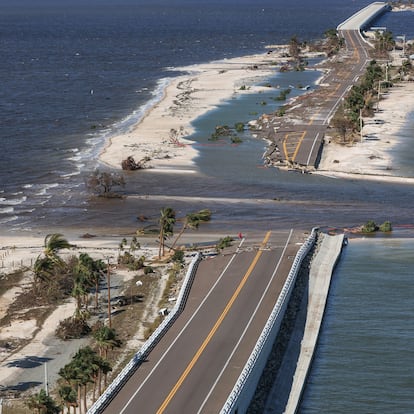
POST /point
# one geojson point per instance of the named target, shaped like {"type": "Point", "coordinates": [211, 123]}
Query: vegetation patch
{"type": "Point", "coordinates": [371, 227]}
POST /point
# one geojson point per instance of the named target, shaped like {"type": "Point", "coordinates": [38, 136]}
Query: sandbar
{"type": "Point", "coordinates": [202, 88]}
{"type": "Point", "coordinates": [369, 158]}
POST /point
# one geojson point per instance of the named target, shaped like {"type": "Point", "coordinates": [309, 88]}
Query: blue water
{"type": "Point", "coordinates": [364, 361]}
{"type": "Point", "coordinates": [74, 73]}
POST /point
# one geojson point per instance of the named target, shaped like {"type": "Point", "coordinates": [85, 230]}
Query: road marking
{"type": "Point", "coordinates": [298, 145]}
{"type": "Point", "coordinates": [214, 328]}
{"type": "Point", "coordinates": [183, 329]}
{"type": "Point", "coordinates": [248, 323]}
{"type": "Point", "coordinates": [311, 151]}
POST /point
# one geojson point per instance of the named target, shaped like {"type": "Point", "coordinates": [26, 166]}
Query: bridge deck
{"type": "Point", "coordinates": [364, 16]}
{"type": "Point", "coordinates": [297, 138]}
{"type": "Point", "coordinates": [195, 366]}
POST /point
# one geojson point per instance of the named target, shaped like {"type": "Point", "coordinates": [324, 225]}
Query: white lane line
{"type": "Point", "coordinates": [247, 326]}
{"type": "Point", "coordinates": [182, 330]}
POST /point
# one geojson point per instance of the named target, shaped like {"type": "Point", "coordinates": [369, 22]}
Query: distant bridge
{"type": "Point", "coordinates": [365, 16]}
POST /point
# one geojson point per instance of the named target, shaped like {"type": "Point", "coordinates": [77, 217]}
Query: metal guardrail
{"type": "Point", "coordinates": [262, 342]}
{"type": "Point", "coordinates": [103, 401]}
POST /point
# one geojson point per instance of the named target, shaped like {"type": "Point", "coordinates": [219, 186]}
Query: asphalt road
{"type": "Point", "coordinates": [194, 367]}
{"type": "Point", "coordinates": [299, 143]}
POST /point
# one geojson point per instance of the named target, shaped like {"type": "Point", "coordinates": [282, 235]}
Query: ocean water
{"type": "Point", "coordinates": [75, 73]}
{"type": "Point", "coordinates": [364, 362]}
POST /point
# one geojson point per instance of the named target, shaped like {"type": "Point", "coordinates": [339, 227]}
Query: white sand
{"type": "Point", "coordinates": [187, 97]}
{"type": "Point", "coordinates": [370, 159]}
{"type": "Point", "coordinates": [20, 250]}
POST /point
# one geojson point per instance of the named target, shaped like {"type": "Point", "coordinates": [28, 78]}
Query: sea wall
{"type": "Point", "coordinates": [290, 348]}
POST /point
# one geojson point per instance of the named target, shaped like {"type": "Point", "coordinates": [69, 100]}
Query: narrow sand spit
{"type": "Point", "coordinates": [187, 97]}
{"type": "Point", "coordinates": [370, 158]}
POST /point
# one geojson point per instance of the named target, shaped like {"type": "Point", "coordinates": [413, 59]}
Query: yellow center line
{"type": "Point", "coordinates": [285, 146]}
{"type": "Point", "coordinates": [213, 329]}
{"type": "Point", "coordinates": [298, 146]}
{"type": "Point", "coordinates": [330, 94]}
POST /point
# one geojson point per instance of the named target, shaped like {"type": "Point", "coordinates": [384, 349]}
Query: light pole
{"type": "Point", "coordinates": [108, 282]}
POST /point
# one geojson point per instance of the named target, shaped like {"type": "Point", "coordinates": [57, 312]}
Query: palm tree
{"type": "Point", "coordinates": [69, 373]}
{"type": "Point", "coordinates": [92, 271]}
{"type": "Point", "coordinates": [166, 221]}
{"type": "Point", "coordinates": [83, 369]}
{"type": "Point", "coordinates": [106, 338]}
{"type": "Point", "coordinates": [384, 41]}
{"type": "Point", "coordinates": [55, 242]}
{"type": "Point", "coordinates": [46, 265]}
{"type": "Point", "coordinates": [192, 221]}
{"type": "Point", "coordinates": [42, 403]}
{"type": "Point", "coordinates": [43, 270]}
{"type": "Point", "coordinates": [68, 397]}
{"type": "Point", "coordinates": [87, 273]}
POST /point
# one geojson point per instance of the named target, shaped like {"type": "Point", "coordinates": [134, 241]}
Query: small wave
{"type": "Point", "coordinates": [97, 141]}
{"type": "Point", "coordinates": [8, 219]}
{"type": "Point", "coordinates": [6, 210]}
{"type": "Point", "coordinates": [77, 157]}
{"type": "Point", "coordinates": [136, 116]}
{"type": "Point", "coordinates": [70, 174]}
{"type": "Point", "coordinates": [13, 201]}
{"type": "Point", "coordinates": [28, 210]}
{"type": "Point", "coordinates": [44, 188]}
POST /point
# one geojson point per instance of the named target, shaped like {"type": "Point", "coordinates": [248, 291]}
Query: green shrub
{"type": "Point", "coordinates": [281, 111]}
{"type": "Point", "coordinates": [236, 140]}
{"type": "Point", "coordinates": [239, 126]}
{"type": "Point", "coordinates": [178, 256]}
{"type": "Point", "coordinates": [224, 242]}
{"type": "Point", "coordinates": [386, 227]}
{"type": "Point", "coordinates": [369, 227]}
{"type": "Point", "coordinates": [130, 261]}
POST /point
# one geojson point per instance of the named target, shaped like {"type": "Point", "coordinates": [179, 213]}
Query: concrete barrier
{"type": "Point", "coordinates": [363, 17]}
{"type": "Point", "coordinates": [243, 391]}
{"type": "Point", "coordinates": [103, 401]}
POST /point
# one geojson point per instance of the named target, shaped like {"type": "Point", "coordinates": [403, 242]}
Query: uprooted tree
{"type": "Point", "coordinates": [102, 183]}
{"type": "Point", "coordinates": [130, 164]}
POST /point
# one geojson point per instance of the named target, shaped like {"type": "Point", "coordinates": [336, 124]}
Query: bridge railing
{"type": "Point", "coordinates": [245, 386]}
{"type": "Point", "coordinates": [381, 8]}
{"type": "Point", "coordinates": [103, 401]}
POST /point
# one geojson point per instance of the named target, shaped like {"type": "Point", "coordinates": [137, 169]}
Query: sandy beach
{"type": "Point", "coordinates": [187, 97]}
{"type": "Point", "coordinates": [370, 158]}
{"type": "Point", "coordinates": [204, 86]}
{"type": "Point", "coordinates": [24, 345]}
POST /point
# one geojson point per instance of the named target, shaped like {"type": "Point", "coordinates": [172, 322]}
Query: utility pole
{"type": "Point", "coordinates": [360, 122]}
{"type": "Point", "coordinates": [46, 380]}
{"type": "Point", "coordinates": [108, 282]}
